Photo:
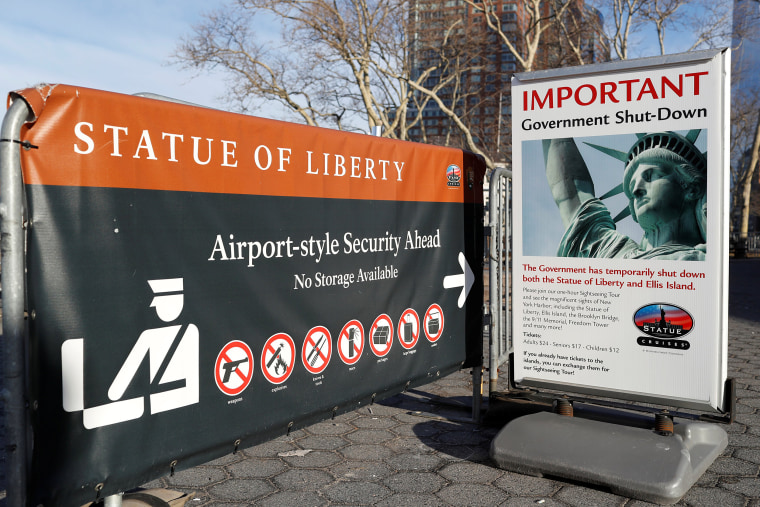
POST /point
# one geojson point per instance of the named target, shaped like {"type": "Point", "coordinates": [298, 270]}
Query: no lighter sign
{"type": "Point", "coordinates": [351, 342]}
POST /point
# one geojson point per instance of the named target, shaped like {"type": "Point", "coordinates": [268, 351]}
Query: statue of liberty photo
{"type": "Point", "coordinates": [664, 177]}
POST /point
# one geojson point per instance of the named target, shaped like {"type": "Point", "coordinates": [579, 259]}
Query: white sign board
{"type": "Point", "coordinates": [604, 303]}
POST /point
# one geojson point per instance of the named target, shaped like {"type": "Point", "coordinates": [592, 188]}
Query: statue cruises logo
{"type": "Point", "coordinates": [664, 324]}
{"type": "Point", "coordinates": [453, 175]}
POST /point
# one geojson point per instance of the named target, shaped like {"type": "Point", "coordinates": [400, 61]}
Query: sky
{"type": "Point", "coordinates": [109, 45]}
{"type": "Point", "coordinates": [116, 46]}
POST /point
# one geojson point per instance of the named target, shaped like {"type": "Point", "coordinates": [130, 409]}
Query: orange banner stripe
{"type": "Point", "coordinates": [93, 138]}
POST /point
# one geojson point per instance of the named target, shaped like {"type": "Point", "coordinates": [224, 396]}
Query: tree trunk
{"type": "Point", "coordinates": [746, 189]}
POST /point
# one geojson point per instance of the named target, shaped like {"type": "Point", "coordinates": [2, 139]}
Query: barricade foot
{"type": "Point", "coordinates": [158, 497]}
{"type": "Point", "coordinates": [630, 461]}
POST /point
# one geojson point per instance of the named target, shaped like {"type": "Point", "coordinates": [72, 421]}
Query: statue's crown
{"type": "Point", "coordinates": [682, 147]}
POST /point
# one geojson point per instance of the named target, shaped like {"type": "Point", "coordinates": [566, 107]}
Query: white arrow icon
{"type": "Point", "coordinates": [465, 280]}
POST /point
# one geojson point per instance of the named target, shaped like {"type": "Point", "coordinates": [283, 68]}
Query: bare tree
{"type": "Point", "coordinates": [632, 25]}
{"type": "Point", "coordinates": [625, 19]}
{"type": "Point", "coordinates": [708, 23]}
{"type": "Point", "coordinates": [745, 120]}
{"type": "Point", "coordinates": [580, 37]}
{"type": "Point", "coordinates": [322, 68]}
{"type": "Point", "coordinates": [448, 52]}
{"type": "Point", "coordinates": [538, 34]}
{"type": "Point", "coordinates": [541, 17]}
{"type": "Point", "coordinates": [340, 63]}
{"type": "Point", "coordinates": [746, 132]}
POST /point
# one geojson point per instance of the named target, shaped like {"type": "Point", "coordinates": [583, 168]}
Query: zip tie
{"type": "Point", "coordinates": [26, 144]}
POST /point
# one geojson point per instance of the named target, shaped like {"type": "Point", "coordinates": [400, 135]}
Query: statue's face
{"type": "Point", "coordinates": [655, 193]}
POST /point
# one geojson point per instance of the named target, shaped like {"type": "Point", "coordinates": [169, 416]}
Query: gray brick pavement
{"type": "Point", "coordinates": [408, 450]}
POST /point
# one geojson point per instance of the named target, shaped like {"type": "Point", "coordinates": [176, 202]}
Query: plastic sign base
{"type": "Point", "coordinates": [630, 461]}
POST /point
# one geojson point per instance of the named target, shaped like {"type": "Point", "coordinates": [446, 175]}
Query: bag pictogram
{"type": "Point", "coordinates": [409, 328]}
{"type": "Point", "coordinates": [381, 335]}
{"type": "Point", "coordinates": [433, 322]}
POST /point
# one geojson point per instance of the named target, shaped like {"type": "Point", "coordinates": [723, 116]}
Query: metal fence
{"type": "Point", "coordinates": [499, 271]}
{"type": "Point", "coordinates": [752, 244]}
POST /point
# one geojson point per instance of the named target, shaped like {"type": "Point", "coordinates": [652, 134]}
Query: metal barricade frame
{"type": "Point", "coordinates": [499, 272]}
{"type": "Point", "coordinates": [13, 224]}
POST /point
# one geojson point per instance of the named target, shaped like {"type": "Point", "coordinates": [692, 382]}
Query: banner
{"type": "Point", "coordinates": [620, 229]}
{"type": "Point", "coordinates": [201, 281]}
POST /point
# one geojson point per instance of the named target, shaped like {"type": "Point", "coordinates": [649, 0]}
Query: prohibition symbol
{"type": "Point", "coordinates": [234, 368]}
{"type": "Point", "coordinates": [409, 328]}
{"type": "Point", "coordinates": [317, 349]}
{"type": "Point", "coordinates": [433, 322]}
{"type": "Point", "coordinates": [351, 342]}
{"type": "Point", "coordinates": [278, 358]}
{"type": "Point", "coordinates": [381, 335]}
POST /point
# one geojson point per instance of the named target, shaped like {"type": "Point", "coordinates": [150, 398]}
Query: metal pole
{"type": "Point", "coordinates": [477, 392]}
{"type": "Point", "coordinates": [507, 326]}
{"type": "Point", "coordinates": [12, 212]}
{"type": "Point", "coordinates": [493, 272]}
{"type": "Point", "coordinates": [113, 500]}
